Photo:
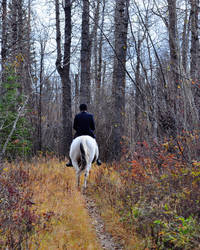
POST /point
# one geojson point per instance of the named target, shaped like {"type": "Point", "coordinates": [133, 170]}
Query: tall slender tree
{"type": "Point", "coordinates": [85, 55]}
{"type": "Point", "coordinates": [195, 53]}
{"type": "Point", "coordinates": [185, 40]}
{"type": "Point", "coordinates": [119, 75]}
{"type": "Point", "coordinates": [63, 68]}
{"type": "Point", "coordinates": [173, 95]}
{"type": "Point", "coordinates": [173, 45]}
{"type": "Point", "coordinates": [195, 50]}
{"type": "Point", "coordinates": [41, 81]}
{"type": "Point", "coordinates": [99, 56]}
{"type": "Point", "coordinates": [4, 37]}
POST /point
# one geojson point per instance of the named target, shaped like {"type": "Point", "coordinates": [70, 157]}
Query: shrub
{"type": "Point", "coordinates": [17, 218]}
{"type": "Point", "coordinates": [156, 193]}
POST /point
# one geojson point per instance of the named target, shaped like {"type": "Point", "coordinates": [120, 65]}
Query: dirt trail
{"type": "Point", "coordinates": [106, 240]}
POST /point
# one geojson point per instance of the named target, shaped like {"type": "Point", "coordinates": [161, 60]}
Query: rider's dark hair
{"type": "Point", "coordinates": [83, 107]}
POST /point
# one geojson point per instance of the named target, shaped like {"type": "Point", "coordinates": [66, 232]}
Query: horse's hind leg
{"type": "Point", "coordinates": [78, 174]}
{"type": "Point", "coordinates": [87, 170]}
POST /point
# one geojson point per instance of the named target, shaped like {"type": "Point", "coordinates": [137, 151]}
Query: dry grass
{"type": "Point", "coordinates": [106, 199]}
{"type": "Point", "coordinates": [54, 191]}
{"type": "Point", "coordinates": [61, 220]}
{"type": "Point", "coordinates": [149, 202]}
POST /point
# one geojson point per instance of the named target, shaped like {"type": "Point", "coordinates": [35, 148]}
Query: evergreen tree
{"type": "Point", "coordinates": [19, 143]}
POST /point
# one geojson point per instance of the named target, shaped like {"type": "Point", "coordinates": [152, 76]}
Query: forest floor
{"type": "Point", "coordinates": [53, 211]}
{"type": "Point", "coordinates": [84, 216]}
{"type": "Point", "coordinates": [150, 202]}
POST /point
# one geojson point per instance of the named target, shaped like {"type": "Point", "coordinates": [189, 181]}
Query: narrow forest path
{"type": "Point", "coordinates": [74, 221]}
{"type": "Point", "coordinates": [106, 240]}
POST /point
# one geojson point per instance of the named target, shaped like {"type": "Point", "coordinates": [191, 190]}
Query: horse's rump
{"type": "Point", "coordinates": [83, 152]}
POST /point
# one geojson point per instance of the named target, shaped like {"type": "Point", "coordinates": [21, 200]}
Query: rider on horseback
{"type": "Point", "coordinates": [84, 125]}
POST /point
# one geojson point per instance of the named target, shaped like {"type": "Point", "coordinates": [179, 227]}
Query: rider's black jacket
{"type": "Point", "coordinates": [84, 124]}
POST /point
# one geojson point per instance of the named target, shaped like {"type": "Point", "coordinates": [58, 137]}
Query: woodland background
{"type": "Point", "coordinates": [136, 65]}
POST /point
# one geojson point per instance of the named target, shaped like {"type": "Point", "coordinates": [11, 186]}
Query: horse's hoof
{"type": "Point", "coordinates": [98, 162]}
{"type": "Point", "coordinates": [84, 191]}
{"type": "Point", "coordinates": [69, 164]}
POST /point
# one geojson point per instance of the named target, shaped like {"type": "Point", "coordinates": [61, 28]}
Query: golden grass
{"type": "Point", "coordinates": [54, 193]}
{"type": "Point", "coordinates": [63, 221]}
{"type": "Point", "coordinates": [112, 220]}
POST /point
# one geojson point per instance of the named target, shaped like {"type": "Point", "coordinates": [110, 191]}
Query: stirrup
{"type": "Point", "coordinates": [69, 164]}
{"type": "Point", "coordinates": [98, 162]}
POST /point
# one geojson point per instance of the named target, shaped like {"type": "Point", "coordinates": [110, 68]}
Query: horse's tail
{"type": "Point", "coordinates": [83, 157]}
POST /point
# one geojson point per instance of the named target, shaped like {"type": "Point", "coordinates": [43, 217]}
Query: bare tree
{"type": "Point", "coordinates": [174, 49]}
{"type": "Point", "coordinates": [99, 63]}
{"type": "Point", "coordinates": [195, 50]}
{"type": "Point", "coordinates": [185, 40]}
{"type": "Point", "coordinates": [85, 55]}
{"type": "Point", "coordinates": [41, 82]}
{"type": "Point", "coordinates": [4, 37]}
{"type": "Point", "coordinates": [139, 98]}
{"type": "Point", "coordinates": [119, 73]}
{"type": "Point", "coordinates": [63, 67]}
{"type": "Point", "coordinates": [195, 54]}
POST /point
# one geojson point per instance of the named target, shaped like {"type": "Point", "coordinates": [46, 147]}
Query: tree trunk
{"type": "Point", "coordinates": [20, 49]}
{"type": "Point", "coordinates": [94, 37]}
{"type": "Point", "coordinates": [173, 37]}
{"type": "Point", "coordinates": [194, 63]}
{"type": "Point", "coordinates": [14, 8]}
{"type": "Point", "coordinates": [99, 63]}
{"type": "Point", "coordinates": [85, 55]}
{"type": "Point", "coordinates": [77, 93]}
{"type": "Point", "coordinates": [185, 40]}
{"type": "Point", "coordinates": [42, 49]}
{"type": "Point", "coordinates": [174, 61]}
{"type": "Point", "coordinates": [119, 74]}
{"type": "Point", "coordinates": [139, 99]}
{"type": "Point", "coordinates": [63, 68]}
{"type": "Point", "coordinates": [4, 37]}
{"type": "Point", "coordinates": [195, 51]}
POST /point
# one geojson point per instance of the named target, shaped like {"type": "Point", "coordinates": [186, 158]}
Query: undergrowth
{"type": "Point", "coordinates": [151, 199]}
{"type": "Point", "coordinates": [41, 208]}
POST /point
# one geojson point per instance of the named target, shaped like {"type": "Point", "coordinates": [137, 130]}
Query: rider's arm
{"type": "Point", "coordinates": [75, 123]}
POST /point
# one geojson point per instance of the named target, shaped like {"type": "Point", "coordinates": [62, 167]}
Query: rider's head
{"type": "Point", "coordinates": [83, 107]}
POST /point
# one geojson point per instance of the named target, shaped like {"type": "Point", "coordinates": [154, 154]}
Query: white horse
{"type": "Point", "coordinates": [83, 152]}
